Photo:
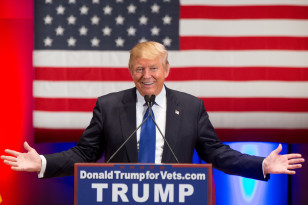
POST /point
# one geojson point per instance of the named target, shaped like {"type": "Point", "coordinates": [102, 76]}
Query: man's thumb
{"type": "Point", "coordinates": [278, 149]}
{"type": "Point", "coordinates": [27, 146]}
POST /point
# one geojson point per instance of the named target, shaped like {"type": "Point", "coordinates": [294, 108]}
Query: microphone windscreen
{"type": "Point", "coordinates": [147, 99]}
{"type": "Point", "coordinates": [152, 99]}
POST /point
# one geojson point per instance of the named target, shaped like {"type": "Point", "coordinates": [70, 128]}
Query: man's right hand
{"type": "Point", "coordinates": [29, 161]}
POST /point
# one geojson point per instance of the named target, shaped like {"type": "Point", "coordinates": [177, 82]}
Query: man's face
{"type": "Point", "coordinates": [149, 75]}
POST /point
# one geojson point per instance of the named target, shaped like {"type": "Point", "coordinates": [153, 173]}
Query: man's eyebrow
{"type": "Point", "coordinates": [153, 65]}
{"type": "Point", "coordinates": [138, 65]}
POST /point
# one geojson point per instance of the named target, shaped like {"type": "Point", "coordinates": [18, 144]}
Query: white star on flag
{"type": "Point", "coordinates": [84, 10]}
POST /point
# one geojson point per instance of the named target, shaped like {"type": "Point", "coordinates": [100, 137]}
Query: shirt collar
{"type": "Point", "coordinates": [160, 99]}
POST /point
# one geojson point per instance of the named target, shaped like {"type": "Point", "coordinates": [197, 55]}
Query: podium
{"type": "Point", "coordinates": [102, 183]}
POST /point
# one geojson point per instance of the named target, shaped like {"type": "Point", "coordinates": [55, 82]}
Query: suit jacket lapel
{"type": "Point", "coordinates": [128, 124]}
{"type": "Point", "coordinates": [173, 122]}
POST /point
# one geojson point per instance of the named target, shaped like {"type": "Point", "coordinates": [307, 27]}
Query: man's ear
{"type": "Point", "coordinates": [130, 71]}
{"type": "Point", "coordinates": [167, 70]}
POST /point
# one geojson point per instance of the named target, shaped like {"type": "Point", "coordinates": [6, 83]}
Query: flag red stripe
{"type": "Point", "coordinates": [64, 104]}
{"type": "Point", "coordinates": [84, 74]}
{"type": "Point", "coordinates": [239, 73]}
{"type": "Point", "coordinates": [177, 74]}
{"type": "Point", "coordinates": [268, 135]}
{"type": "Point", "coordinates": [244, 12]}
{"type": "Point", "coordinates": [57, 135]}
{"type": "Point", "coordinates": [243, 43]}
{"type": "Point", "coordinates": [256, 104]}
{"type": "Point", "coordinates": [211, 104]}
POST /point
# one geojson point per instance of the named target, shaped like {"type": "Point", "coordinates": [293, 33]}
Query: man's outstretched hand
{"type": "Point", "coordinates": [282, 164]}
{"type": "Point", "coordinates": [29, 161]}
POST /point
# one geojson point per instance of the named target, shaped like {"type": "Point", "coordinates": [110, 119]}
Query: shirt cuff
{"type": "Point", "coordinates": [263, 169]}
{"type": "Point", "coordinates": [44, 164]}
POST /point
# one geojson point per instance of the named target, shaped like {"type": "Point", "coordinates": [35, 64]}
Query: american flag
{"type": "Point", "coordinates": [247, 60]}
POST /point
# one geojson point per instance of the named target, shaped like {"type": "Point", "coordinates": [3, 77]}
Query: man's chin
{"type": "Point", "coordinates": [145, 91]}
{"type": "Point", "coordinates": [149, 93]}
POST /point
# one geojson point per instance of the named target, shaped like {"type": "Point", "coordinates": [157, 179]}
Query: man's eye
{"type": "Point", "coordinates": [139, 70]}
{"type": "Point", "coordinates": [153, 68]}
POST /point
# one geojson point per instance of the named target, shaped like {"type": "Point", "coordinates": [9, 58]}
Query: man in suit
{"type": "Point", "coordinates": [181, 117]}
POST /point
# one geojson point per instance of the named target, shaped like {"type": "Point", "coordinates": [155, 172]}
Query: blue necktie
{"type": "Point", "coordinates": [147, 141]}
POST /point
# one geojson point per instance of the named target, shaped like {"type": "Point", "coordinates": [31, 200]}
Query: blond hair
{"type": "Point", "coordinates": [149, 50]}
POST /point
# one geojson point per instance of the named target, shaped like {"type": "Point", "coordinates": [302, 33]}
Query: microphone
{"type": "Point", "coordinates": [150, 104]}
{"type": "Point", "coordinates": [152, 100]}
{"type": "Point", "coordinates": [147, 100]}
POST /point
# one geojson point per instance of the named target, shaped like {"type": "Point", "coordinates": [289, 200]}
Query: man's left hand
{"type": "Point", "coordinates": [282, 164]}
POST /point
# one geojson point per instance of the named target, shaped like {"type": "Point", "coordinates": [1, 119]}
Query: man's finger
{"type": "Point", "coordinates": [13, 164]}
{"type": "Point", "coordinates": [294, 166]}
{"type": "Point", "coordinates": [292, 156]}
{"type": "Point", "coordinates": [12, 159]}
{"type": "Point", "coordinates": [290, 172]}
{"type": "Point", "coordinates": [295, 161]}
{"type": "Point", "coordinates": [12, 152]}
{"type": "Point", "coordinates": [17, 169]}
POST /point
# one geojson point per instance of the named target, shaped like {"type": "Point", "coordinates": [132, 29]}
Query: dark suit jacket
{"type": "Point", "coordinates": [114, 119]}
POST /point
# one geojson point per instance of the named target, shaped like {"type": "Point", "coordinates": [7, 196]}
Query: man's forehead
{"type": "Point", "coordinates": [143, 61]}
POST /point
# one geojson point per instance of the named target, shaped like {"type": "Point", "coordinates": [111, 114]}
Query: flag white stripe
{"type": "Point", "coordinates": [199, 58]}
{"type": "Point", "coordinates": [259, 120]}
{"type": "Point", "coordinates": [82, 89]}
{"type": "Point", "coordinates": [239, 58]}
{"type": "Point", "coordinates": [60, 58]}
{"type": "Point", "coordinates": [279, 120]}
{"type": "Point", "coordinates": [195, 27]}
{"type": "Point", "coordinates": [242, 89]}
{"type": "Point", "coordinates": [243, 2]}
{"type": "Point", "coordinates": [77, 89]}
{"type": "Point", "coordinates": [61, 120]}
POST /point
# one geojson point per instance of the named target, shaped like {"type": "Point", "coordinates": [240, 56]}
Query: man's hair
{"type": "Point", "coordinates": [149, 50]}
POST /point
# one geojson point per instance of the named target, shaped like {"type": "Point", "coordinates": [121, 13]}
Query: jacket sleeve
{"type": "Point", "coordinates": [223, 158]}
{"type": "Point", "coordinates": [90, 148]}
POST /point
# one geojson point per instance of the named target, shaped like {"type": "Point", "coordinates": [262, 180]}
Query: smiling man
{"type": "Point", "coordinates": [181, 117]}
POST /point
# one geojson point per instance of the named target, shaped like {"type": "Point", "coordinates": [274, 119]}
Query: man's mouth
{"type": "Point", "coordinates": [147, 83]}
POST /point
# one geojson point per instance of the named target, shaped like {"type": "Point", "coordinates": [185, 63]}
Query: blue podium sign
{"type": "Point", "coordinates": [97, 183]}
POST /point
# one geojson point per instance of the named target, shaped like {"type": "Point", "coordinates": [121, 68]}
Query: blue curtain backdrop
{"type": "Point", "coordinates": [234, 190]}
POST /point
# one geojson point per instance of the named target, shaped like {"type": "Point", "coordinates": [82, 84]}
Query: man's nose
{"type": "Point", "coordinates": [147, 73]}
